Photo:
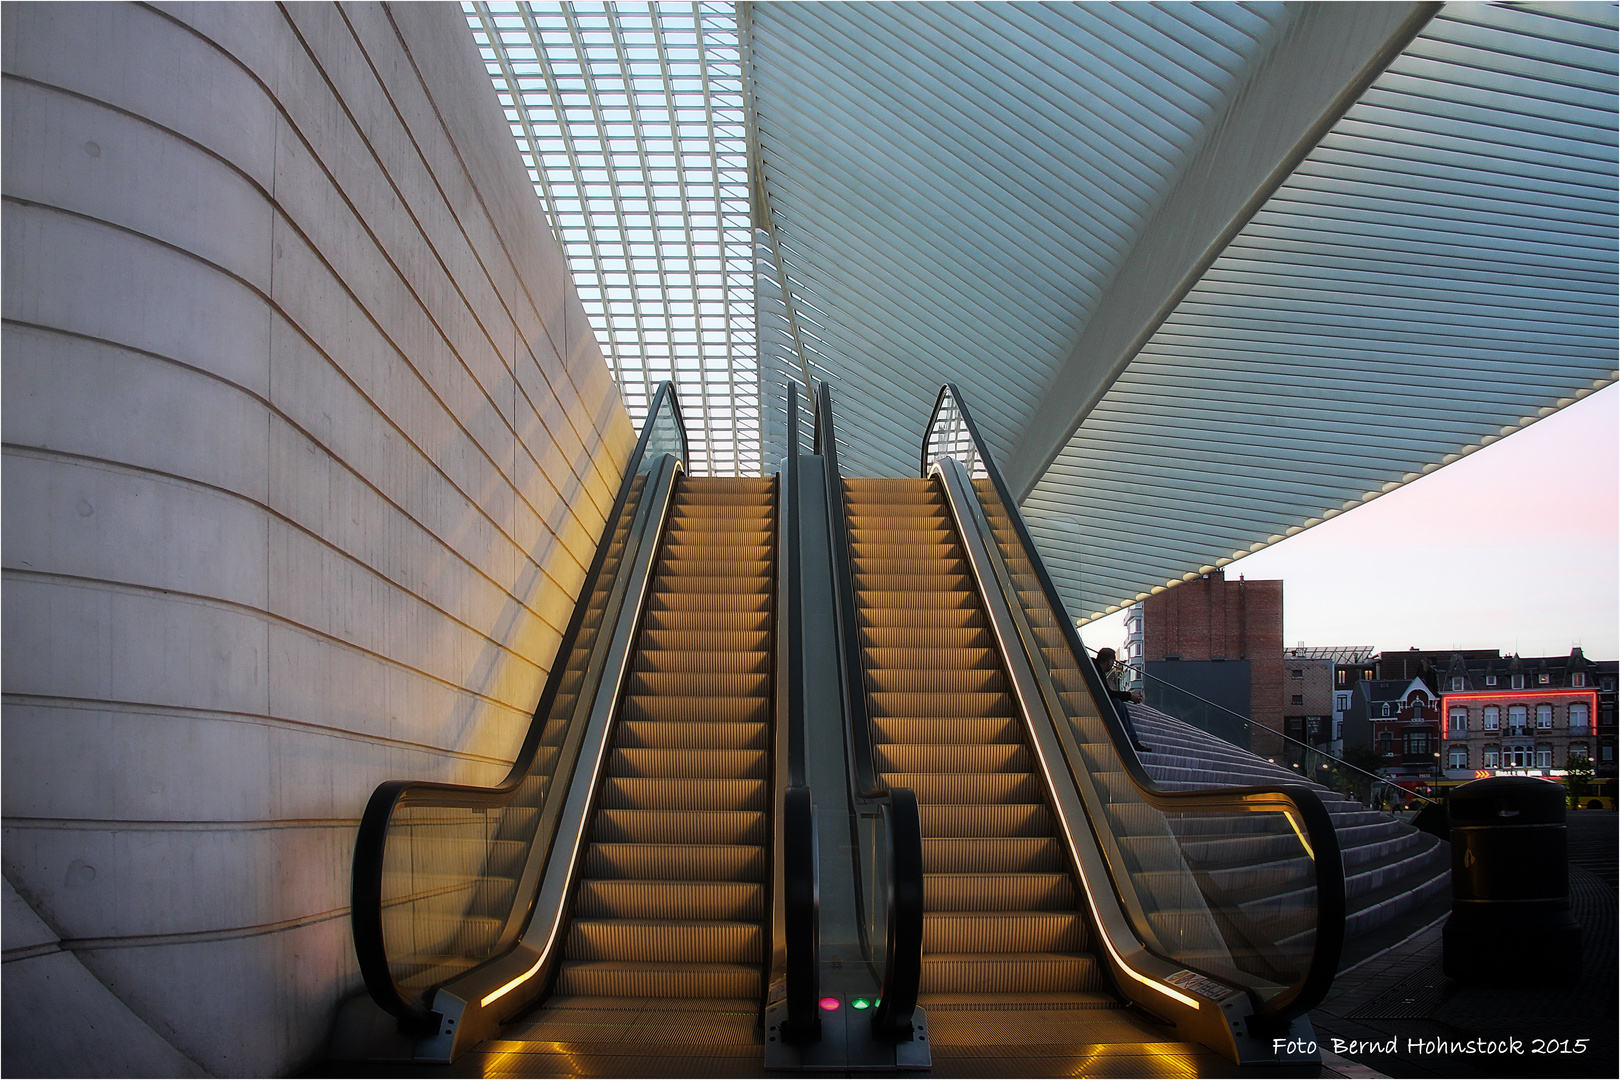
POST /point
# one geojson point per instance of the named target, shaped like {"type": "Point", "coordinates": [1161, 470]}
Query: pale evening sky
{"type": "Point", "coordinates": [1514, 547]}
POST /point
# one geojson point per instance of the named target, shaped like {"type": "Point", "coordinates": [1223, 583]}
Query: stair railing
{"type": "Point", "coordinates": [1166, 856]}
{"type": "Point", "coordinates": [446, 876]}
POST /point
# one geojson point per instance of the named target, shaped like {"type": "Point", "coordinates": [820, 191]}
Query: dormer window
{"type": "Point", "coordinates": [1386, 708]}
{"type": "Point", "coordinates": [1456, 682]}
{"type": "Point", "coordinates": [1518, 682]}
{"type": "Point", "coordinates": [1543, 679]}
{"type": "Point", "coordinates": [1578, 679]}
{"type": "Point", "coordinates": [1490, 680]}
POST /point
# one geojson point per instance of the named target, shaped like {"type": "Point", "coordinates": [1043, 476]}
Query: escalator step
{"type": "Point", "coordinates": [881, 660]}
{"type": "Point", "coordinates": [942, 704]}
{"type": "Point", "coordinates": [680, 826]}
{"type": "Point", "coordinates": [1007, 819]}
{"type": "Point", "coordinates": [687, 764]}
{"type": "Point", "coordinates": [951, 679]}
{"type": "Point", "coordinates": [975, 636]}
{"type": "Point", "coordinates": [971, 730]}
{"type": "Point", "coordinates": [669, 708]}
{"type": "Point", "coordinates": [633, 899]}
{"type": "Point", "coordinates": [677, 862]}
{"type": "Point", "coordinates": [737, 684]}
{"type": "Point", "coordinates": [908, 618]}
{"type": "Point", "coordinates": [698, 643]}
{"type": "Point", "coordinates": [965, 788]}
{"type": "Point", "coordinates": [694, 735]}
{"type": "Point", "coordinates": [992, 973]}
{"type": "Point", "coordinates": [714, 624]}
{"type": "Point", "coordinates": [1008, 855]}
{"type": "Point", "coordinates": [666, 940]}
{"type": "Point", "coordinates": [629, 793]}
{"type": "Point", "coordinates": [953, 757]}
{"type": "Point", "coordinates": [623, 978]}
{"type": "Point", "coordinates": [1004, 932]}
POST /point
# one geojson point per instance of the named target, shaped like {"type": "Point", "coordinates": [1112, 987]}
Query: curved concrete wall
{"type": "Point", "coordinates": [307, 446]}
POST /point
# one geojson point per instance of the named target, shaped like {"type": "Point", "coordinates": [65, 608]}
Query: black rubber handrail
{"type": "Point", "coordinates": [902, 965]}
{"type": "Point", "coordinates": [1328, 940]}
{"type": "Point", "coordinates": [802, 918]}
{"type": "Point", "coordinates": [366, 899]}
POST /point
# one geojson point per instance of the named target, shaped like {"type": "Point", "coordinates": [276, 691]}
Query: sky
{"type": "Point", "coordinates": [1515, 547]}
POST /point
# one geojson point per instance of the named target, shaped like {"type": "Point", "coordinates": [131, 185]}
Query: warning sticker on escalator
{"type": "Point", "coordinates": [1199, 984]}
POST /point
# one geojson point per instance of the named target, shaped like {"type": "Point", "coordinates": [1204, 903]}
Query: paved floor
{"type": "Point", "coordinates": [1394, 1011]}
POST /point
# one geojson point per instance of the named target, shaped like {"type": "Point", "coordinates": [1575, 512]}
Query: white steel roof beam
{"type": "Point", "coordinates": [1329, 58]}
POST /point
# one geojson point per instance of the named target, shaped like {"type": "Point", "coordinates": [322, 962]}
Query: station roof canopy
{"type": "Point", "coordinates": [1206, 275]}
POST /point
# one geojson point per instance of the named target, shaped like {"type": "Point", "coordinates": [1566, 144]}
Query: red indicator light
{"type": "Point", "coordinates": [830, 1004]}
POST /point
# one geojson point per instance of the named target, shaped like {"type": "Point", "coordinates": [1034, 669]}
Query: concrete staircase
{"type": "Point", "coordinates": [1389, 866]}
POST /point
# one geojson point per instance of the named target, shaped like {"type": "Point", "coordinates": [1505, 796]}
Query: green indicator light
{"type": "Point", "coordinates": [860, 1003]}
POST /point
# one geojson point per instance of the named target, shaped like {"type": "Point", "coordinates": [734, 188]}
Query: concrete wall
{"type": "Point", "coordinates": [307, 447]}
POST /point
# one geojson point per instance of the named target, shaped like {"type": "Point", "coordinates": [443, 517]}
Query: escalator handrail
{"type": "Point", "coordinates": [366, 891]}
{"type": "Point", "coordinates": [1309, 990]}
{"type": "Point", "coordinates": [795, 914]}
{"type": "Point", "coordinates": [902, 967]}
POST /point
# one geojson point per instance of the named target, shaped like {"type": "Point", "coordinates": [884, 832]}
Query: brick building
{"type": "Point", "coordinates": [1400, 719]}
{"type": "Point", "coordinates": [1308, 698]}
{"type": "Point", "coordinates": [1524, 715]}
{"type": "Point", "coordinates": [1220, 641]}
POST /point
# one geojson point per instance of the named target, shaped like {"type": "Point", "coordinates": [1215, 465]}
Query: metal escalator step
{"type": "Point", "coordinates": [714, 623]}
{"type": "Point", "coordinates": [699, 551]}
{"type": "Point", "coordinates": [665, 661]}
{"type": "Point", "coordinates": [667, 707]}
{"type": "Point", "coordinates": [637, 794]}
{"type": "Point", "coordinates": [947, 973]}
{"type": "Point", "coordinates": [933, 550]}
{"type": "Point", "coordinates": [1007, 819]}
{"type": "Point", "coordinates": [1004, 855]}
{"type": "Point", "coordinates": [945, 659]}
{"type": "Point", "coordinates": [932, 729]}
{"type": "Point", "coordinates": [931, 579]}
{"type": "Point", "coordinates": [968, 788]}
{"type": "Point", "coordinates": [928, 601]}
{"type": "Point", "coordinates": [940, 561]}
{"type": "Point", "coordinates": [622, 978]}
{"type": "Point", "coordinates": [637, 899]}
{"type": "Point", "coordinates": [718, 563]}
{"type": "Point", "coordinates": [695, 643]}
{"type": "Point", "coordinates": [998, 892]}
{"type": "Point", "coordinates": [1004, 932]}
{"type": "Point", "coordinates": [677, 862]}
{"type": "Point", "coordinates": [694, 735]}
{"type": "Point", "coordinates": [942, 704]}
{"type": "Point", "coordinates": [665, 940]}
{"type": "Point", "coordinates": [927, 620]}
{"type": "Point", "coordinates": [748, 581]}
{"type": "Point", "coordinates": [688, 764]}
{"type": "Point", "coordinates": [954, 757]}
{"type": "Point", "coordinates": [904, 636]}
{"type": "Point", "coordinates": [1052, 1001]}
{"type": "Point", "coordinates": [618, 825]}
{"type": "Point", "coordinates": [699, 683]}
{"type": "Point", "coordinates": [664, 600]}
{"type": "Point", "coordinates": [947, 678]}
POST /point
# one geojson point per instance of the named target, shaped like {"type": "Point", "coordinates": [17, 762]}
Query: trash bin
{"type": "Point", "coordinates": [1510, 919]}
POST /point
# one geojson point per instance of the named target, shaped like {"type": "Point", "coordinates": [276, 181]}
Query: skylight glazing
{"type": "Point", "coordinates": [629, 117]}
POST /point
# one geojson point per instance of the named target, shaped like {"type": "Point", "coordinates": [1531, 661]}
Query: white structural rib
{"type": "Point", "coordinates": [1438, 273]}
{"type": "Point", "coordinates": [630, 119]}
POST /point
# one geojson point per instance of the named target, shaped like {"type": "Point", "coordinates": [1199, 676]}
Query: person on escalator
{"type": "Point", "coordinates": [1112, 672]}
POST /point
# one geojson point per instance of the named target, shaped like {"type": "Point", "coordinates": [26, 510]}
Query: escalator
{"type": "Point", "coordinates": [819, 781]}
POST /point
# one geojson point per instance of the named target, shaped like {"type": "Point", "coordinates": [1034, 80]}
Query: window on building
{"type": "Point", "coordinates": [1296, 673]}
{"type": "Point", "coordinates": [1543, 757]}
{"type": "Point", "coordinates": [1342, 677]}
{"type": "Point", "coordinates": [1297, 699]}
{"type": "Point", "coordinates": [1543, 679]}
{"type": "Point", "coordinates": [1459, 757]}
{"type": "Point", "coordinates": [1493, 757]}
{"type": "Point", "coordinates": [1493, 717]}
{"type": "Point", "coordinates": [1578, 679]}
{"type": "Point", "coordinates": [1517, 757]}
{"type": "Point", "coordinates": [1338, 729]}
{"type": "Point", "coordinates": [1458, 720]}
{"type": "Point", "coordinates": [1518, 719]}
{"type": "Point", "coordinates": [1544, 717]}
{"type": "Point", "coordinates": [1417, 742]}
{"type": "Point", "coordinates": [1386, 743]}
{"type": "Point", "coordinates": [1386, 708]}
{"type": "Point", "coordinates": [1580, 717]}
{"type": "Point", "coordinates": [1608, 753]}
{"type": "Point", "coordinates": [1456, 682]}
{"type": "Point", "coordinates": [1608, 686]}
{"type": "Point", "coordinates": [1490, 680]}
{"type": "Point", "coordinates": [1577, 748]}
{"type": "Point", "coordinates": [1518, 682]}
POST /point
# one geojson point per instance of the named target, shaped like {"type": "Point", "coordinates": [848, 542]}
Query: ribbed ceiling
{"type": "Point", "coordinates": [951, 185]}
{"type": "Point", "coordinates": [1438, 272]}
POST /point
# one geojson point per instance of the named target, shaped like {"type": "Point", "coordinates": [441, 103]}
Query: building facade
{"type": "Point", "coordinates": [1522, 716]}
{"type": "Point", "coordinates": [1400, 720]}
{"type": "Point", "coordinates": [1221, 641]}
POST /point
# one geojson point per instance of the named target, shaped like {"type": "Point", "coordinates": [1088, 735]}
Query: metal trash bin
{"type": "Point", "coordinates": [1510, 919]}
